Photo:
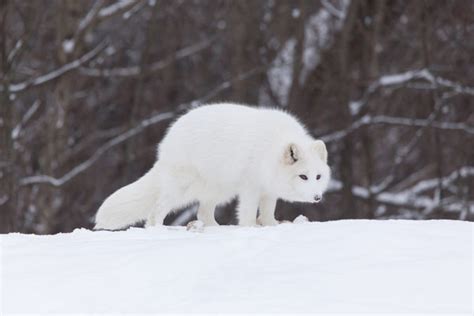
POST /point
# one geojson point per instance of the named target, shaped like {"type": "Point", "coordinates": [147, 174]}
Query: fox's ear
{"type": "Point", "coordinates": [291, 154]}
{"type": "Point", "coordinates": [321, 150]}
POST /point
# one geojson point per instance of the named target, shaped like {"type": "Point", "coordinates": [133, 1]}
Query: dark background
{"type": "Point", "coordinates": [389, 85]}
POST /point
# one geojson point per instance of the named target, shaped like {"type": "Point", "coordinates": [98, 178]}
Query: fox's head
{"type": "Point", "coordinates": [304, 173]}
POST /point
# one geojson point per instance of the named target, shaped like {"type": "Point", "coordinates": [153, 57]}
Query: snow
{"type": "Point", "coordinates": [68, 46]}
{"type": "Point", "coordinates": [300, 219]}
{"type": "Point", "coordinates": [116, 7]}
{"type": "Point", "coordinates": [4, 197]}
{"type": "Point", "coordinates": [342, 266]}
{"type": "Point", "coordinates": [195, 226]}
{"type": "Point", "coordinates": [295, 13]}
{"type": "Point", "coordinates": [355, 106]}
{"type": "Point", "coordinates": [398, 78]}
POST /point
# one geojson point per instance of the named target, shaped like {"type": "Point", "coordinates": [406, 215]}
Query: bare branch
{"type": "Point", "coordinates": [14, 51]}
{"type": "Point", "coordinates": [55, 74]}
{"type": "Point", "coordinates": [134, 9]}
{"type": "Point", "coordinates": [17, 130]}
{"type": "Point", "coordinates": [102, 150]}
{"type": "Point", "coordinates": [335, 136]}
{"type": "Point", "coordinates": [97, 14]}
{"type": "Point", "coordinates": [130, 133]}
{"type": "Point", "coordinates": [333, 10]}
{"type": "Point", "coordinates": [388, 120]}
{"type": "Point", "coordinates": [227, 84]}
{"type": "Point", "coordinates": [133, 71]}
{"type": "Point", "coordinates": [404, 151]}
{"type": "Point", "coordinates": [401, 121]}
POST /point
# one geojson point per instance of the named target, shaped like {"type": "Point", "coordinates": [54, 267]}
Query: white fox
{"type": "Point", "coordinates": [215, 153]}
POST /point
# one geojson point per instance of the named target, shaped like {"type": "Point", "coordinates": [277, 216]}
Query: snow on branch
{"type": "Point", "coordinates": [425, 74]}
{"type": "Point", "coordinates": [406, 77]}
{"type": "Point", "coordinates": [388, 120]}
{"type": "Point", "coordinates": [156, 66]}
{"type": "Point", "coordinates": [134, 9]}
{"type": "Point", "coordinates": [90, 16]}
{"type": "Point", "coordinates": [402, 121]}
{"type": "Point", "coordinates": [102, 150]}
{"type": "Point", "coordinates": [425, 185]}
{"type": "Point", "coordinates": [411, 198]}
{"type": "Point", "coordinates": [40, 80]}
{"type": "Point", "coordinates": [97, 14]}
{"type": "Point", "coordinates": [116, 8]}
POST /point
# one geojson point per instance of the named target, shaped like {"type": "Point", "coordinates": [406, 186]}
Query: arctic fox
{"type": "Point", "coordinates": [217, 152]}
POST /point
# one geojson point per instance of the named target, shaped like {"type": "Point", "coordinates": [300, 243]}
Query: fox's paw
{"type": "Point", "coordinates": [300, 219]}
{"type": "Point", "coordinates": [149, 224]}
{"type": "Point", "coordinates": [249, 223]}
{"type": "Point", "coordinates": [267, 221]}
{"type": "Point", "coordinates": [195, 226]}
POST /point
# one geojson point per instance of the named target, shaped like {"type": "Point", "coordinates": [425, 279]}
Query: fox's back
{"type": "Point", "coordinates": [226, 141]}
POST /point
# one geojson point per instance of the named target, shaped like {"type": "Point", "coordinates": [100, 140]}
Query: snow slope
{"type": "Point", "coordinates": [343, 266]}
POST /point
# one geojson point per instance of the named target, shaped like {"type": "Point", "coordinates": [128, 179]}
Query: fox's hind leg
{"type": "Point", "coordinates": [171, 194]}
{"type": "Point", "coordinates": [158, 213]}
{"type": "Point", "coordinates": [205, 213]}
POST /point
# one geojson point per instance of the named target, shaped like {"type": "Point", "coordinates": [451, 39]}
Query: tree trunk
{"type": "Point", "coordinates": [7, 152]}
{"type": "Point", "coordinates": [345, 83]}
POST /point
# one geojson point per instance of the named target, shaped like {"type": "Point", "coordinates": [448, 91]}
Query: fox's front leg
{"type": "Point", "coordinates": [205, 213]}
{"type": "Point", "coordinates": [267, 211]}
{"type": "Point", "coordinates": [247, 209]}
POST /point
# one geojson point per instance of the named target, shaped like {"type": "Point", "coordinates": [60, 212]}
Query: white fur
{"type": "Point", "coordinates": [218, 152]}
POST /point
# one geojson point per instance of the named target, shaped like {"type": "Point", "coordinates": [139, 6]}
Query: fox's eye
{"type": "Point", "coordinates": [302, 176]}
{"type": "Point", "coordinates": [318, 177]}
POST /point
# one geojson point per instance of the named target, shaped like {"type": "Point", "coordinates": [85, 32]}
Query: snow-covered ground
{"type": "Point", "coordinates": [343, 266]}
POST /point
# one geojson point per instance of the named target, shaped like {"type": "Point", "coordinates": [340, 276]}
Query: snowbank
{"type": "Point", "coordinates": [343, 266]}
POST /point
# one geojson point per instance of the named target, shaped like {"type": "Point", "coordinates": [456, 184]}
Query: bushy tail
{"type": "Point", "coordinates": [130, 204]}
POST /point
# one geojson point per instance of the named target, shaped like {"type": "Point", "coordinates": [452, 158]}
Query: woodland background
{"type": "Point", "coordinates": [89, 87]}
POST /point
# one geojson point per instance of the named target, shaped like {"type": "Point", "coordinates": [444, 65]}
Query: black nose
{"type": "Point", "coordinates": [317, 198]}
